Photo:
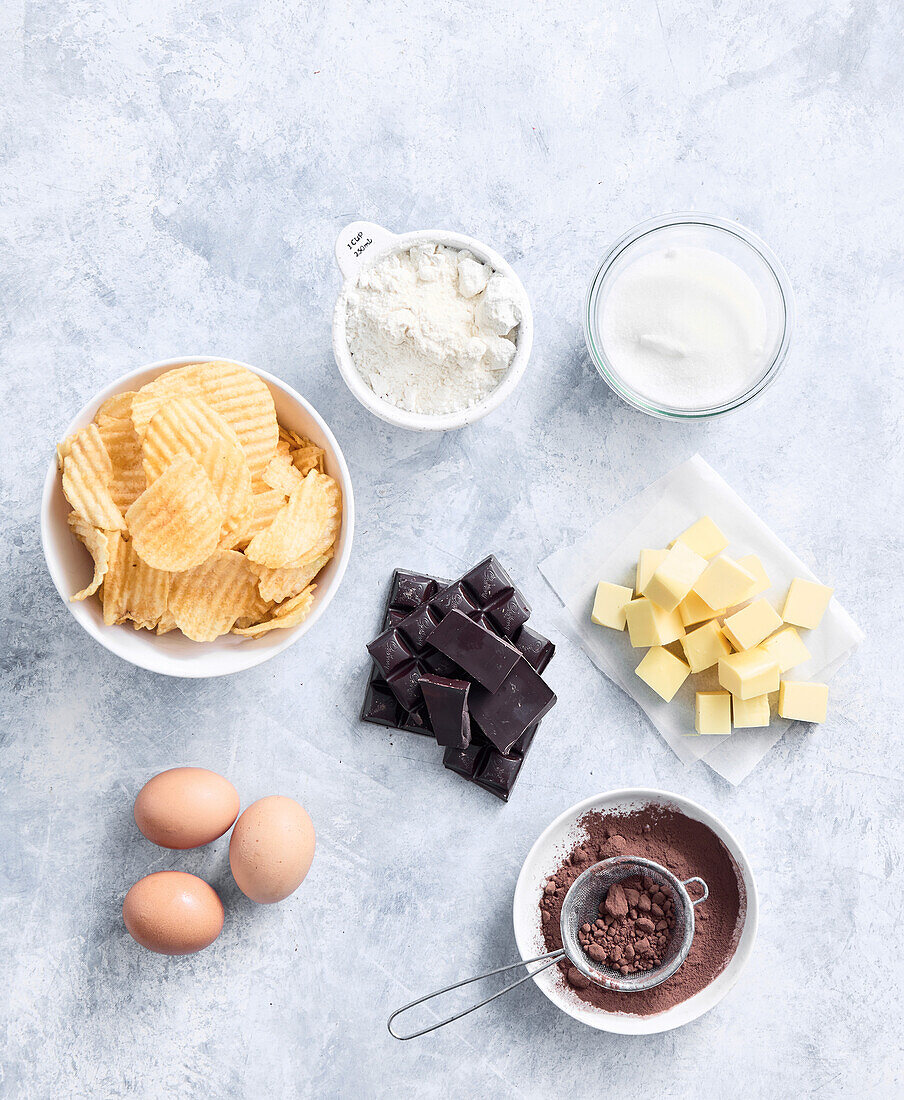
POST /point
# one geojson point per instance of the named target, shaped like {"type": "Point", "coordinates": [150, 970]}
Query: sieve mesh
{"type": "Point", "coordinates": [582, 906]}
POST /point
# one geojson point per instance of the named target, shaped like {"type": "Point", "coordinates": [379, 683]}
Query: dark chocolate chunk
{"type": "Point", "coordinates": [466, 762]}
{"type": "Point", "coordinates": [380, 705]}
{"type": "Point", "coordinates": [447, 705]}
{"type": "Point", "coordinates": [454, 598]}
{"type": "Point", "coordinates": [534, 648]}
{"type": "Point", "coordinates": [498, 774]}
{"type": "Point", "coordinates": [487, 580]}
{"type": "Point", "coordinates": [410, 590]}
{"type": "Point", "coordinates": [504, 715]}
{"type": "Point", "coordinates": [419, 625]}
{"type": "Point", "coordinates": [482, 654]}
{"type": "Point", "coordinates": [508, 613]}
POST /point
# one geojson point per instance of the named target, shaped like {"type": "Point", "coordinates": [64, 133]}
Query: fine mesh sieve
{"type": "Point", "coordinates": [582, 906]}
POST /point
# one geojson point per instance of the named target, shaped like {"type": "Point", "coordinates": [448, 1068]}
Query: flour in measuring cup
{"type": "Point", "coordinates": [432, 329]}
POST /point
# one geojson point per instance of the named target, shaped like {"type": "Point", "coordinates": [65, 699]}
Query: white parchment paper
{"type": "Point", "coordinates": [653, 519]}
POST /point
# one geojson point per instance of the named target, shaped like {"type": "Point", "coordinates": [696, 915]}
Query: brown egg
{"type": "Point", "coordinates": [173, 913]}
{"type": "Point", "coordinates": [186, 807]}
{"type": "Point", "coordinates": [271, 849]}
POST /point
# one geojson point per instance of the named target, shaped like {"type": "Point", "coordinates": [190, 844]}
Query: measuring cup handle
{"type": "Point", "coordinates": [356, 241]}
{"type": "Point", "coordinates": [705, 893]}
{"type": "Point", "coordinates": [547, 960]}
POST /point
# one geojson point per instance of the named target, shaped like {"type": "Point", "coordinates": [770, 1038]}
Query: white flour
{"type": "Point", "coordinates": [432, 330]}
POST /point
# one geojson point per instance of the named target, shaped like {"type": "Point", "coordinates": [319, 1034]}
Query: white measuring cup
{"type": "Point", "coordinates": [364, 243]}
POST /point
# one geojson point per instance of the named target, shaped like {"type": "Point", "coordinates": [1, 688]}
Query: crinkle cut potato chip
{"type": "Point", "coordinates": [87, 473]}
{"type": "Point", "coordinates": [182, 425]}
{"type": "Point", "coordinates": [245, 402]}
{"type": "Point", "coordinates": [178, 382]}
{"type": "Point", "coordinates": [206, 601]}
{"type": "Point", "coordinates": [175, 523]}
{"type": "Point", "coordinates": [297, 534]}
{"type": "Point", "coordinates": [286, 615]}
{"type": "Point", "coordinates": [127, 478]}
{"type": "Point", "coordinates": [236, 393]}
{"type": "Point", "coordinates": [97, 543]}
{"type": "Point", "coordinates": [266, 503]}
{"type": "Point", "coordinates": [225, 465]}
{"type": "Point", "coordinates": [281, 474]}
{"type": "Point", "coordinates": [331, 531]}
{"type": "Point", "coordinates": [133, 589]}
{"type": "Point", "coordinates": [277, 585]}
{"type": "Point", "coordinates": [117, 407]}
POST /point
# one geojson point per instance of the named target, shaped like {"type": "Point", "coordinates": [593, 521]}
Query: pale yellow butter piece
{"type": "Point", "coordinates": [704, 646]}
{"type": "Point", "coordinates": [693, 610]}
{"type": "Point", "coordinates": [750, 713]}
{"type": "Point", "coordinates": [647, 564]}
{"type": "Point", "coordinates": [748, 673]}
{"type": "Point", "coordinates": [803, 701]}
{"type": "Point", "coordinates": [704, 538]}
{"type": "Point", "coordinates": [649, 625]}
{"type": "Point", "coordinates": [724, 582]}
{"type": "Point", "coordinates": [674, 577]}
{"type": "Point", "coordinates": [753, 565]}
{"type": "Point", "coordinates": [749, 627]}
{"type": "Point", "coordinates": [712, 712]}
{"type": "Point", "coordinates": [664, 672]}
{"type": "Point", "coordinates": [787, 649]}
{"type": "Point", "coordinates": [806, 603]}
{"type": "Point", "coordinates": [609, 605]}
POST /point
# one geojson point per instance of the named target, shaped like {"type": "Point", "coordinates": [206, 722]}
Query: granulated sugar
{"type": "Point", "coordinates": [431, 329]}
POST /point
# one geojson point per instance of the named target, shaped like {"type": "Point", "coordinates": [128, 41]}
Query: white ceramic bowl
{"type": "Point", "coordinates": [365, 243]}
{"type": "Point", "coordinates": [544, 859]}
{"type": "Point", "coordinates": [173, 654]}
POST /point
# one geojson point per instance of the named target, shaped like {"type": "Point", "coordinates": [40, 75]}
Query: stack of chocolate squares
{"type": "Point", "coordinates": [457, 661]}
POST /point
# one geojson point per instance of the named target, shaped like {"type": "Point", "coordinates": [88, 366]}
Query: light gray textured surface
{"type": "Point", "coordinates": [173, 176]}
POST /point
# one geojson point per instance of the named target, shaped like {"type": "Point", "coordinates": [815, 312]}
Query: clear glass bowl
{"type": "Point", "coordinates": [727, 238]}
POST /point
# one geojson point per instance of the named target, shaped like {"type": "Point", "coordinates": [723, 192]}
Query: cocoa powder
{"type": "Point", "coordinates": [633, 929]}
{"type": "Point", "coordinates": [686, 847]}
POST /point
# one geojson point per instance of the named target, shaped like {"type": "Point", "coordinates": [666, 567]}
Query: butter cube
{"type": "Point", "coordinates": [806, 603]}
{"type": "Point", "coordinates": [664, 672]}
{"type": "Point", "coordinates": [803, 701]}
{"type": "Point", "coordinates": [787, 649]}
{"type": "Point", "coordinates": [712, 712]}
{"type": "Point", "coordinates": [724, 582]}
{"type": "Point", "coordinates": [704, 646]}
{"type": "Point", "coordinates": [609, 605]}
{"type": "Point", "coordinates": [748, 673]}
{"type": "Point", "coordinates": [753, 565]}
{"type": "Point", "coordinates": [674, 577]}
{"type": "Point", "coordinates": [704, 538]}
{"type": "Point", "coordinates": [647, 564]}
{"type": "Point", "coordinates": [649, 625]}
{"type": "Point", "coordinates": [693, 610]}
{"type": "Point", "coordinates": [750, 713]}
{"type": "Point", "coordinates": [749, 627]}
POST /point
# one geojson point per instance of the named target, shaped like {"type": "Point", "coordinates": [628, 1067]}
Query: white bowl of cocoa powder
{"type": "Point", "coordinates": [676, 833]}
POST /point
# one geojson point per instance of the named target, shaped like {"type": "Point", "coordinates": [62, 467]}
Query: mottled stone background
{"type": "Point", "coordinates": [172, 177]}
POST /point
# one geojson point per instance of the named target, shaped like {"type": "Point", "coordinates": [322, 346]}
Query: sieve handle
{"type": "Point", "coordinates": [704, 895]}
{"type": "Point", "coordinates": [547, 960]}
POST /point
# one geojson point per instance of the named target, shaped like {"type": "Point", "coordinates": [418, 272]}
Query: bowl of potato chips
{"type": "Point", "coordinates": [198, 518]}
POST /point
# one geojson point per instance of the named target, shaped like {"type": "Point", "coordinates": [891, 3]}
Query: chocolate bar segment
{"type": "Point", "coordinates": [504, 715]}
{"type": "Point", "coordinates": [447, 705]}
{"type": "Point", "coordinates": [534, 648]}
{"type": "Point", "coordinates": [482, 654]}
